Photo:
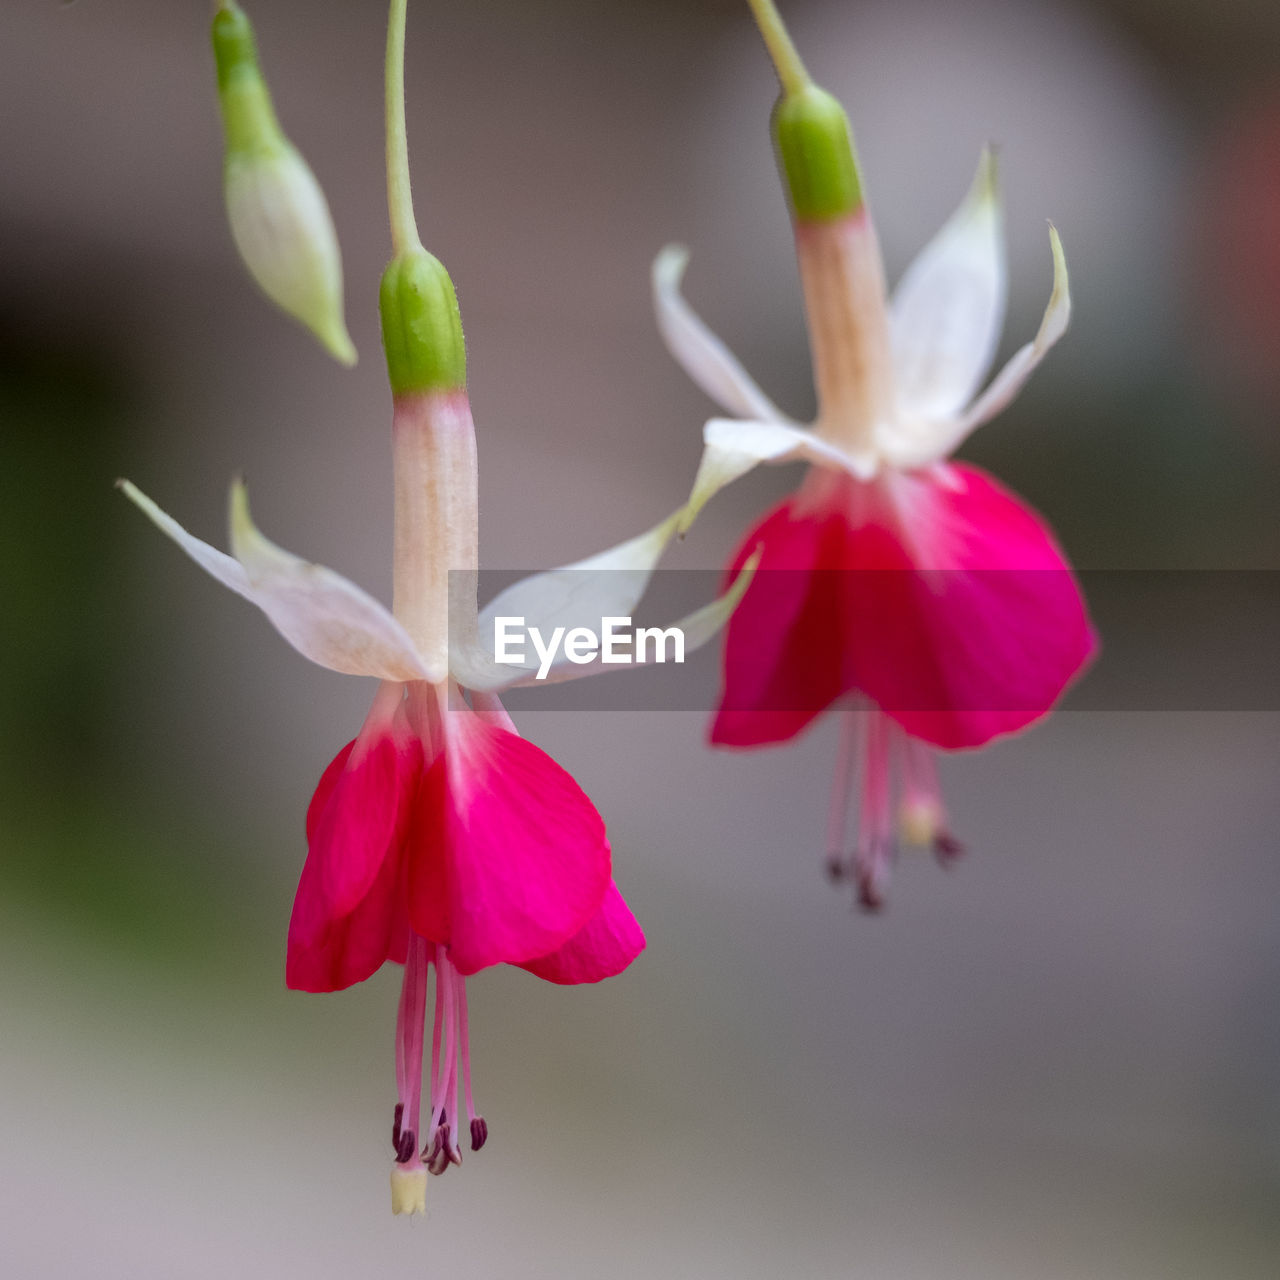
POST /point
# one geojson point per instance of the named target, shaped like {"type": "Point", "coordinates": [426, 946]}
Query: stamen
{"type": "Point", "coordinates": [451, 1138]}
{"type": "Point", "coordinates": [438, 1157]}
{"type": "Point", "coordinates": [875, 837]}
{"type": "Point", "coordinates": [407, 1147]}
{"type": "Point", "coordinates": [841, 793]}
{"type": "Point", "coordinates": [436, 1029]}
{"type": "Point", "coordinates": [416, 970]}
{"type": "Point", "coordinates": [923, 820]}
{"type": "Point", "coordinates": [409, 1031]}
{"type": "Point", "coordinates": [479, 1130]}
{"type": "Point", "coordinates": [441, 1059]}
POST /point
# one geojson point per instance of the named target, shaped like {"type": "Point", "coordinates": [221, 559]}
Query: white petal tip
{"type": "Point", "coordinates": [986, 182]}
{"type": "Point", "coordinates": [1058, 313]}
{"type": "Point", "coordinates": [669, 266]}
{"type": "Point", "coordinates": [339, 345]}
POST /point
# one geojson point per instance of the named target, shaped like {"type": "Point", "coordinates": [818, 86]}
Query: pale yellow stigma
{"type": "Point", "coordinates": [919, 823]}
{"type": "Point", "coordinates": [408, 1190]}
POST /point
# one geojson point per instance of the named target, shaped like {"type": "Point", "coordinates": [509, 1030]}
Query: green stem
{"type": "Point", "coordinates": [791, 71]}
{"type": "Point", "coordinates": [404, 231]}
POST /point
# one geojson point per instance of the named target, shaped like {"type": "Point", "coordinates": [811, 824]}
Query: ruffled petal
{"type": "Point", "coordinates": [783, 652]}
{"type": "Point", "coordinates": [917, 442]}
{"type": "Point", "coordinates": [327, 954]}
{"type": "Point", "coordinates": [981, 625]}
{"type": "Point", "coordinates": [349, 915]}
{"type": "Point", "coordinates": [937, 594]}
{"type": "Point", "coordinates": [948, 308]}
{"type": "Point", "coordinates": [602, 948]}
{"type": "Point", "coordinates": [525, 860]}
{"type": "Point", "coordinates": [367, 806]}
{"type": "Point", "coordinates": [697, 350]}
{"type": "Point", "coordinates": [320, 613]}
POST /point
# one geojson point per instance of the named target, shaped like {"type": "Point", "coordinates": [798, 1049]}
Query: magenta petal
{"type": "Point", "coordinates": [365, 813]}
{"type": "Point", "coordinates": [327, 953]}
{"type": "Point", "coordinates": [986, 628]}
{"type": "Point", "coordinates": [526, 862]}
{"type": "Point", "coordinates": [324, 789]}
{"type": "Point", "coordinates": [783, 652]}
{"type": "Point", "coordinates": [935, 593]}
{"type": "Point", "coordinates": [348, 914]}
{"type": "Point", "coordinates": [603, 947]}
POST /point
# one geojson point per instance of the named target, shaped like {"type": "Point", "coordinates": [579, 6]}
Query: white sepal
{"type": "Point", "coordinates": [917, 443]}
{"type": "Point", "coordinates": [697, 628]}
{"type": "Point", "coordinates": [732, 447]}
{"type": "Point", "coordinates": [581, 594]}
{"type": "Point", "coordinates": [325, 617]}
{"type": "Point", "coordinates": [948, 308]}
{"type": "Point", "coordinates": [697, 350]}
{"type": "Point", "coordinates": [228, 571]}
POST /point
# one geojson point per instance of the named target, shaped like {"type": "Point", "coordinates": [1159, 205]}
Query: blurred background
{"type": "Point", "coordinates": [1058, 1060]}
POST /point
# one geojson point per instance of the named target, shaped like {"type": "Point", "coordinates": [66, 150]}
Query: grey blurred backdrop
{"type": "Point", "coordinates": [1059, 1060]}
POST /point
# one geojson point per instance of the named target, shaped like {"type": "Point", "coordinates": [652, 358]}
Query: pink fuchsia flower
{"type": "Point", "coordinates": [915, 592]}
{"type": "Point", "coordinates": [439, 837]}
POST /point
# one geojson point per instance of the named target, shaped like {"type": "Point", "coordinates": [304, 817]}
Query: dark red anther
{"type": "Point", "coordinates": [835, 867]}
{"type": "Point", "coordinates": [946, 848]}
{"type": "Point", "coordinates": [479, 1133]}
{"type": "Point", "coordinates": [870, 899]}
{"type": "Point", "coordinates": [438, 1156]}
{"type": "Point", "coordinates": [395, 1126]}
{"type": "Point", "coordinates": [407, 1146]}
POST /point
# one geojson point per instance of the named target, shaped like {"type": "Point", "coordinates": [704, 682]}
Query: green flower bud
{"type": "Point", "coordinates": [815, 151]}
{"type": "Point", "coordinates": [421, 325]}
{"type": "Point", "coordinates": [279, 217]}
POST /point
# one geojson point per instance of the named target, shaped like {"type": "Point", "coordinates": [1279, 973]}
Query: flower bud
{"type": "Point", "coordinates": [421, 325]}
{"type": "Point", "coordinates": [279, 217]}
{"type": "Point", "coordinates": [815, 151]}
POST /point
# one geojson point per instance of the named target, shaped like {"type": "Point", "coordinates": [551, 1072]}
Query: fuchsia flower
{"type": "Point", "coordinates": [438, 837]}
{"type": "Point", "coordinates": [894, 580]}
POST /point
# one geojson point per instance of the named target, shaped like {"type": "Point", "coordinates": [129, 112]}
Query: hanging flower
{"type": "Point", "coordinates": [914, 591]}
{"type": "Point", "coordinates": [439, 837]}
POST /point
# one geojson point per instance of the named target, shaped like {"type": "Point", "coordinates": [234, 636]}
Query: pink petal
{"type": "Point", "coordinates": [327, 953]}
{"type": "Point", "coordinates": [525, 861]}
{"type": "Point", "coordinates": [782, 649]}
{"type": "Point", "coordinates": [984, 635]}
{"type": "Point", "coordinates": [324, 788]}
{"type": "Point", "coordinates": [348, 915]}
{"type": "Point", "coordinates": [366, 811]}
{"type": "Point", "coordinates": [603, 947]}
{"type": "Point", "coordinates": [936, 593]}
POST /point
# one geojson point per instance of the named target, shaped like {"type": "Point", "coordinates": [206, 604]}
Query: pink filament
{"type": "Point", "coordinates": [409, 1031]}
{"type": "Point", "coordinates": [875, 820]}
{"type": "Point", "coordinates": [842, 784]}
{"type": "Point", "coordinates": [465, 1037]}
{"type": "Point", "coordinates": [442, 1048]}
